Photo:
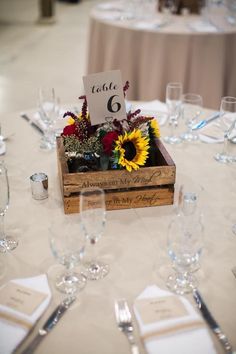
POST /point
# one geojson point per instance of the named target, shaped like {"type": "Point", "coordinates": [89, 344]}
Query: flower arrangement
{"type": "Point", "coordinates": [116, 144]}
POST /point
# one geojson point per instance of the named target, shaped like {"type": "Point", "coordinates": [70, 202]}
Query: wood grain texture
{"type": "Point", "coordinates": [149, 186]}
{"type": "Point", "coordinates": [127, 199]}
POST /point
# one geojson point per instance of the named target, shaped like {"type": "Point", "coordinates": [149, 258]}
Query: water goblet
{"type": "Point", "coordinates": [93, 218]}
{"type": "Point", "coordinates": [227, 122]}
{"type": "Point", "coordinates": [188, 196]}
{"type": "Point", "coordinates": [185, 243]}
{"type": "Point", "coordinates": [174, 104]}
{"type": "Point", "coordinates": [48, 110]}
{"type": "Point", "coordinates": [7, 243]}
{"type": "Point", "coordinates": [67, 243]}
{"type": "Point", "coordinates": [192, 106]}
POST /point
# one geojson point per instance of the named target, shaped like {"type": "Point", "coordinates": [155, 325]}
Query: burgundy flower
{"type": "Point", "coordinates": [107, 142]}
{"type": "Point", "coordinates": [69, 130]}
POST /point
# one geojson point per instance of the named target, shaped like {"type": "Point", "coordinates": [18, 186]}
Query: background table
{"type": "Point", "coordinates": [150, 58]}
{"type": "Point", "coordinates": [134, 244]}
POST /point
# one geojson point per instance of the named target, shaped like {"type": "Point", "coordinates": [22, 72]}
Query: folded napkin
{"type": "Point", "coordinates": [214, 131]}
{"type": "Point", "coordinates": [110, 15]}
{"type": "Point", "coordinates": [144, 25]}
{"type": "Point", "coordinates": [211, 134]}
{"type": "Point", "coordinates": [202, 26]}
{"type": "Point", "coordinates": [15, 325]}
{"type": "Point", "coordinates": [110, 6]}
{"type": "Point", "coordinates": [183, 334]}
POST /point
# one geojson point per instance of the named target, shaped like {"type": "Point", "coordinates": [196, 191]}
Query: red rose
{"type": "Point", "coordinates": [107, 142]}
{"type": "Point", "coordinates": [69, 130]}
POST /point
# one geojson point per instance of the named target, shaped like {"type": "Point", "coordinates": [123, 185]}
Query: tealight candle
{"type": "Point", "coordinates": [39, 185]}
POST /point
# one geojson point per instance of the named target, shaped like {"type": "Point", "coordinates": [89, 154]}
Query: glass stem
{"type": "Point", "coordinates": [69, 270]}
{"type": "Point", "coordinates": [172, 126]}
{"type": "Point", "coordinates": [93, 254]}
{"type": "Point", "coordinates": [225, 145]}
{"type": "Point", "coordinates": [2, 233]}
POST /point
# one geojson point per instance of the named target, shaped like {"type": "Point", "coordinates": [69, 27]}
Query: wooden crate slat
{"type": "Point", "coordinates": [148, 186]}
{"type": "Point", "coordinates": [127, 199]}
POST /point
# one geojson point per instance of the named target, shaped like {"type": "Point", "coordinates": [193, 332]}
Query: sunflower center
{"type": "Point", "coordinates": [130, 150]}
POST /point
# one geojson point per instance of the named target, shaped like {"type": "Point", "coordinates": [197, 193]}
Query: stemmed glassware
{"type": "Point", "coordinates": [174, 104]}
{"type": "Point", "coordinates": [93, 219]}
{"type": "Point", "coordinates": [185, 236]}
{"type": "Point", "coordinates": [67, 244]}
{"type": "Point", "coordinates": [185, 244]}
{"type": "Point", "coordinates": [48, 110]}
{"type": "Point", "coordinates": [7, 243]}
{"type": "Point", "coordinates": [227, 121]}
{"type": "Point", "coordinates": [192, 107]}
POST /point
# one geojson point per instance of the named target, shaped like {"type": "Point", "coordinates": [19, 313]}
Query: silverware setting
{"type": "Point", "coordinates": [124, 322]}
{"type": "Point", "coordinates": [26, 117]}
{"type": "Point", "coordinates": [205, 122]}
{"type": "Point", "coordinates": [212, 322]}
{"type": "Point", "coordinates": [50, 324]}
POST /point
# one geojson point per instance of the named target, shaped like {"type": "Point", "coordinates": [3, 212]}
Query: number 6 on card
{"type": "Point", "coordinates": [105, 97]}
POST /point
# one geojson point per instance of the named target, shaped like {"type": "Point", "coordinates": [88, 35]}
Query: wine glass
{"type": "Point", "coordinates": [93, 218]}
{"type": "Point", "coordinates": [227, 122]}
{"type": "Point", "coordinates": [7, 243]}
{"type": "Point", "coordinates": [192, 106]}
{"type": "Point", "coordinates": [185, 243]}
{"type": "Point", "coordinates": [67, 243]}
{"type": "Point", "coordinates": [48, 110]}
{"type": "Point", "coordinates": [174, 104]}
{"type": "Point", "coordinates": [188, 196]}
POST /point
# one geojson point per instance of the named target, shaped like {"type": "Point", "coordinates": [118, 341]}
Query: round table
{"type": "Point", "coordinates": [134, 244]}
{"type": "Point", "coordinates": [152, 52]}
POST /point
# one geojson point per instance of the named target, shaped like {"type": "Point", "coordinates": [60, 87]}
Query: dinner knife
{"type": "Point", "coordinates": [23, 115]}
{"type": "Point", "coordinates": [49, 324]}
{"type": "Point", "coordinates": [212, 322]}
{"type": "Point", "coordinates": [205, 122]}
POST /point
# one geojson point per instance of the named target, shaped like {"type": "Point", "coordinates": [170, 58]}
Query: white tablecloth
{"type": "Point", "coordinates": [201, 57]}
{"type": "Point", "coordinates": [134, 244]}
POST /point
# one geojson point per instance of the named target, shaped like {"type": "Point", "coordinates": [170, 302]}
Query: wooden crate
{"type": "Point", "coordinates": [146, 187]}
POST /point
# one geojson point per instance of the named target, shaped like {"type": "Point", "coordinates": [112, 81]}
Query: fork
{"type": "Point", "coordinates": [124, 321]}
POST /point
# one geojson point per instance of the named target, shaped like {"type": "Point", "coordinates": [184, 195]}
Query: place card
{"type": "Point", "coordinates": [158, 309]}
{"type": "Point", "coordinates": [21, 298]}
{"type": "Point", "coordinates": [105, 97]}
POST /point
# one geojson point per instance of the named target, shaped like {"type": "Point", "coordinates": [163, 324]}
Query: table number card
{"type": "Point", "coordinates": [21, 298]}
{"type": "Point", "coordinates": [104, 92]}
{"type": "Point", "coordinates": [160, 309]}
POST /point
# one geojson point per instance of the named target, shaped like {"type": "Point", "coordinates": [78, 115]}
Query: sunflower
{"type": "Point", "coordinates": [155, 129]}
{"type": "Point", "coordinates": [132, 149]}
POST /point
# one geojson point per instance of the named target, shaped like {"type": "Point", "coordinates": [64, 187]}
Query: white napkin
{"type": "Point", "coordinates": [211, 134]}
{"type": "Point", "coordinates": [214, 132]}
{"type": "Point", "coordinates": [110, 15]}
{"type": "Point", "coordinates": [110, 6]}
{"type": "Point", "coordinates": [11, 334]}
{"type": "Point", "coordinates": [202, 26]}
{"type": "Point", "coordinates": [193, 341]}
{"type": "Point", "coordinates": [144, 25]}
